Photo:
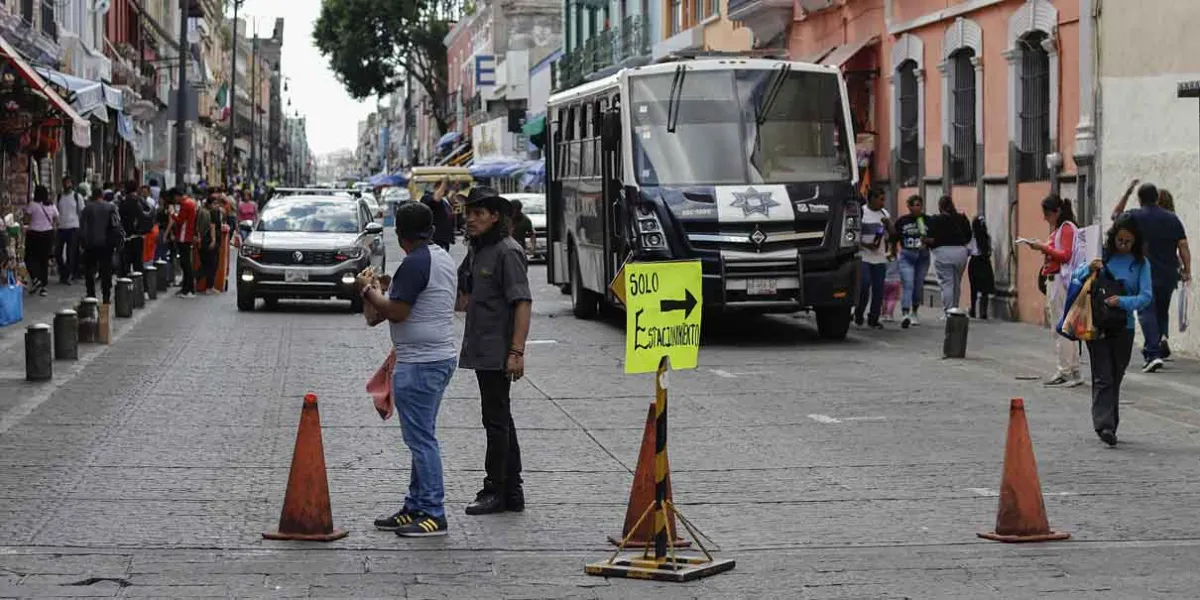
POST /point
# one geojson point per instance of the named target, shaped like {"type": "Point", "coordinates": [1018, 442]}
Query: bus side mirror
{"type": "Point", "coordinates": [610, 131]}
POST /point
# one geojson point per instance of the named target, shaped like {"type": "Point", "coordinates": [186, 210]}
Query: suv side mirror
{"type": "Point", "coordinates": [374, 228]}
{"type": "Point", "coordinates": [610, 131]}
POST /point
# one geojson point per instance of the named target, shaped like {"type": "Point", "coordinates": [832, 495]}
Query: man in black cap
{"type": "Point", "coordinates": [493, 286]}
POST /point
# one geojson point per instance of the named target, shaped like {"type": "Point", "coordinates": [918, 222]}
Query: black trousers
{"type": "Point", "coordinates": [131, 255]}
{"type": "Point", "coordinates": [184, 252]}
{"type": "Point", "coordinates": [208, 266]}
{"type": "Point", "coordinates": [66, 253]}
{"type": "Point", "coordinates": [39, 245]}
{"type": "Point", "coordinates": [503, 458]}
{"type": "Point", "coordinates": [1110, 358]}
{"type": "Point", "coordinates": [98, 261]}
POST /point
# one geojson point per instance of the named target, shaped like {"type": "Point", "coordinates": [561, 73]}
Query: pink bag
{"type": "Point", "coordinates": [379, 386]}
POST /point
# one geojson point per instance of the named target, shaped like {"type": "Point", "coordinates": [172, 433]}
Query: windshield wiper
{"type": "Point", "coordinates": [773, 87]}
{"type": "Point", "coordinates": [674, 98]}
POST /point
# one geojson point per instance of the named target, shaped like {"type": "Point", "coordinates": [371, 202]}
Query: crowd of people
{"type": "Point", "coordinates": [91, 233]}
{"type": "Point", "coordinates": [491, 286]}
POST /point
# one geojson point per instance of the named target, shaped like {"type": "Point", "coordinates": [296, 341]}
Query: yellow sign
{"type": "Point", "coordinates": [663, 304]}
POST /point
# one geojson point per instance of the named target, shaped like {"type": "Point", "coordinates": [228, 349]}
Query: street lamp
{"type": "Point", "coordinates": [229, 150]}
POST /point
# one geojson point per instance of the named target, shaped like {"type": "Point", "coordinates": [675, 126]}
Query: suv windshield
{"type": "Point", "coordinates": [310, 216]}
{"type": "Point", "coordinates": [718, 139]}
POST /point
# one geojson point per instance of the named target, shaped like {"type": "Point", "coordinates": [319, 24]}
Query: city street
{"type": "Point", "coordinates": [861, 469]}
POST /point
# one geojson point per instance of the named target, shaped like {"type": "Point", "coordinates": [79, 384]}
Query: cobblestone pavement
{"type": "Point", "coordinates": [853, 470]}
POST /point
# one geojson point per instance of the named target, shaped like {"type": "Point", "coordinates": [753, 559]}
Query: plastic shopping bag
{"type": "Point", "coordinates": [12, 299]}
{"type": "Point", "coordinates": [1183, 305]}
{"type": "Point", "coordinates": [380, 387]}
{"type": "Point", "coordinates": [1077, 323]}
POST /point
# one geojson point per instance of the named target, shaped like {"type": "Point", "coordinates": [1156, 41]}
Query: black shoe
{"type": "Point", "coordinates": [514, 500]}
{"type": "Point", "coordinates": [1108, 436]}
{"type": "Point", "coordinates": [424, 525]}
{"type": "Point", "coordinates": [394, 522]}
{"type": "Point", "coordinates": [858, 321]}
{"type": "Point", "coordinates": [487, 502]}
{"type": "Point", "coordinates": [875, 325]}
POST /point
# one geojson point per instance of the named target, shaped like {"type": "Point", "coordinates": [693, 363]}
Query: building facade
{"type": "Point", "coordinates": [978, 100]}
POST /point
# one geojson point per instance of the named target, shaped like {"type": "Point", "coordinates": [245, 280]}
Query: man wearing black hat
{"type": "Point", "coordinates": [419, 307]}
{"type": "Point", "coordinates": [493, 284]}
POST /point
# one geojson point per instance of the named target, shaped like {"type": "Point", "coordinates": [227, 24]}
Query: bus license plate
{"type": "Point", "coordinates": [295, 276]}
{"type": "Point", "coordinates": [760, 287]}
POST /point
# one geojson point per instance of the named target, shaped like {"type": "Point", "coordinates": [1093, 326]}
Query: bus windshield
{"type": "Point", "coordinates": [730, 131]}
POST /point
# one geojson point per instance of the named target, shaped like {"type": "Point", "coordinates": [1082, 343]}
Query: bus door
{"type": "Point", "coordinates": [615, 206]}
{"type": "Point", "coordinates": [556, 250]}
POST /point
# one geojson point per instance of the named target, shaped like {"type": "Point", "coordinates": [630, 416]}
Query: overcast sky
{"type": "Point", "coordinates": [332, 115]}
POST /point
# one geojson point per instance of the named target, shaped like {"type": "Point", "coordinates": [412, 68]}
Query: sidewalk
{"type": "Point", "coordinates": [40, 309]}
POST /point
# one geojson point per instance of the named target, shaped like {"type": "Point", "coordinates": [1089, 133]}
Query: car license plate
{"type": "Point", "coordinates": [295, 276]}
{"type": "Point", "coordinates": [760, 287]}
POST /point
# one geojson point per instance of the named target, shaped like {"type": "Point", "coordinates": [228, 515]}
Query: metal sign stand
{"type": "Point", "coordinates": [665, 565]}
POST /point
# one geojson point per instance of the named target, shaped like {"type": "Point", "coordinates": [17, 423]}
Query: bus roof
{"type": "Point", "coordinates": [704, 64]}
{"type": "Point", "coordinates": [427, 170]}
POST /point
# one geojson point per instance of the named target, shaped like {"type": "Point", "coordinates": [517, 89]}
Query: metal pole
{"type": "Point", "coordinates": [229, 146]}
{"type": "Point", "coordinates": [660, 459]}
{"type": "Point", "coordinates": [254, 106]}
{"type": "Point", "coordinates": [181, 137]}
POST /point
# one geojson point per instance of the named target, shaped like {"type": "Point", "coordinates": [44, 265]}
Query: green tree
{"type": "Point", "coordinates": [372, 45]}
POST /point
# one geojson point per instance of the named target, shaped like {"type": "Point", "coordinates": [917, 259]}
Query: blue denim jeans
{"type": "Point", "coordinates": [871, 291]}
{"type": "Point", "coordinates": [914, 266]}
{"type": "Point", "coordinates": [1155, 321]}
{"type": "Point", "coordinates": [417, 390]}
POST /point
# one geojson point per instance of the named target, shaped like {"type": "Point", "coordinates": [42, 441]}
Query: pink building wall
{"type": "Point", "coordinates": [855, 20]}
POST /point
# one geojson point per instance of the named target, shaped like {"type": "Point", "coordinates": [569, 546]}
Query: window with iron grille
{"type": "Point", "coordinates": [27, 11]}
{"type": "Point", "coordinates": [908, 126]}
{"type": "Point", "coordinates": [962, 117]}
{"type": "Point", "coordinates": [1033, 141]}
{"type": "Point", "coordinates": [676, 16]}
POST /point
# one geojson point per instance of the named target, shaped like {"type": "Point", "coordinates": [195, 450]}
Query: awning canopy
{"type": "Point", "coordinates": [535, 125]}
{"type": "Point", "coordinates": [86, 95]}
{"type": "Point", "coordinates": [845, 52]}
{"type": "Point", "coordinates": [81, 131]}
{"type": "Point", "coordinates": [448, 139]}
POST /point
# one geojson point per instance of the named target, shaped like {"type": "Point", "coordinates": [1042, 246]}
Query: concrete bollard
{"type": "Point", "coordinates": [163, 272]}
{"type": "Point", "coordinates": [123, 297]}
{"type": "Point", "coordinates": [89, 320]}
{"type": "Point", "coordinates": [957, 324]}
{"type": "Point", "coordinates": [150, 279]}
{"type": "Point", "coordinates": [38, 363]}
{"type": "Point", "coordinates": [139, 290]}
{"type": "Point", "coordinates": [66, 335]}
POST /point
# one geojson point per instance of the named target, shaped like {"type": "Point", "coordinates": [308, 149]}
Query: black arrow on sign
{"type": "Point", "coordinates": [687, 304]}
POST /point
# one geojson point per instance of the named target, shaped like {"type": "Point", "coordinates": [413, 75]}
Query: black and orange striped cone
{"type": "Point", "coordinates": [641, 496]}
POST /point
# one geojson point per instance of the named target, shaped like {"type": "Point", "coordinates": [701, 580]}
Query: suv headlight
{"type": "Point", "coordinates": [252, 251]}
{"type": "Point", "coordinates": [353, 253]}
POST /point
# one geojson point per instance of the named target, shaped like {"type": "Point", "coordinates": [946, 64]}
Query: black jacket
{"type": "Point", "coordinates": [443, 220]}
{"type": "Point", "coordinates": [950, 230]}
{"type": "Point", "coordinates": [100, 226]}
{"type": "Point", "coordinates": [135, 213]}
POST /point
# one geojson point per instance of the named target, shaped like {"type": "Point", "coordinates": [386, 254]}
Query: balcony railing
{"type": "Point", "coordinates": [610, 47]}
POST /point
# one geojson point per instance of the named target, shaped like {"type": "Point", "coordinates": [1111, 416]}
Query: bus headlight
{"type": "Point", "coordinates": [649, 229]}
{"type": "Point", "coordinates": [850, 228]}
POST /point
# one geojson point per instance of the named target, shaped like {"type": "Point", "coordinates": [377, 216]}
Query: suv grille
{"type": "Point", "coordinates": [308, 258]}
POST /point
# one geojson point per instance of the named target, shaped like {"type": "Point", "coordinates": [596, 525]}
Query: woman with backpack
{"type": "Point", "coordinates": [1058, 251]}
{"type": "Point", "coordinates": [1123, 278]}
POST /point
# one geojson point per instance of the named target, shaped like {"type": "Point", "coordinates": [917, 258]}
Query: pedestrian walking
{"type": "Point", "coordinates": [980, 274]}
{"type": "Point", "coordinates": [419, 309]}
{"type": "Point", "coordinates": [183, 230]}
{"type": "Point", "coordinates": [1171, 258]}
{"type": "Point", "coordinates": [443, 216]}
{"type": "Point", "coordinates": [950, 233]}
{"type": "Point", "coordinates": [247, 212]}
{"type": "Point", "coordinates": [66, 251]}
{"type": "Point", "coordinates": [912, 233]}
{"type": "Point", "coordinates": [1124, 259]}
{"type": "Point", "coordinates": [137, 219]}
{"type": "Point", "coordinates": [1057, 253]}
{"type": "Point", "coordinates": [39, 239]}
{"type": "Point", "coordinates": [893, 287]}
{"type": "Point", "coordinates": [101, 235]}
{"type": "Point", "coordinates": [875, 224]}
{"type": "Point", "coordinates": [206, 249]}
{"type": "Point", "coordinates": [494, 287]}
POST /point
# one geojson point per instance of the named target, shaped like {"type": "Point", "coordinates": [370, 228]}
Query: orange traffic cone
{"type": "Point", "coordinates": [306, 511]}
{"type": "Point", "coordinates": [1022, 513]}
{"type": "Point", "coordinates": [642, 495]}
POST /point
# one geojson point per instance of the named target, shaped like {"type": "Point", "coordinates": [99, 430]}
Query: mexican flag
{"type": "Point", "coordinates": [223, 98]}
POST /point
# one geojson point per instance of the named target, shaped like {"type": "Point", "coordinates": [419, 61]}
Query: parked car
{"type": "Point", "coordinates": [373, 205]}
{"type": "Point", "coordinates": [534, 207]}
{"type": "Point", "coordinates": [308, 246]}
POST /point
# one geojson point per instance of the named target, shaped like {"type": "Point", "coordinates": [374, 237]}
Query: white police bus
{"type": "Point", "coordinates": [746, 164]}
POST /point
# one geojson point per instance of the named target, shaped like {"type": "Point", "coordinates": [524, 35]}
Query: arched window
{"type": "Point", "coordinates": [909, 146]}
{"type": "Point", "coordinates": [963, 166]}
{"type": "Point", "coordinates": [1033, 135]}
